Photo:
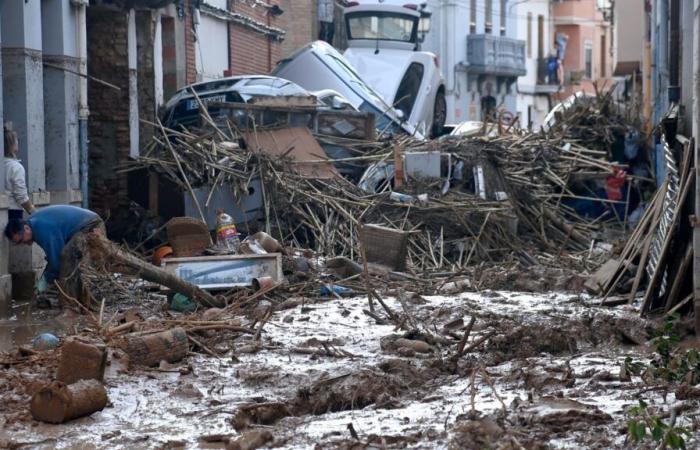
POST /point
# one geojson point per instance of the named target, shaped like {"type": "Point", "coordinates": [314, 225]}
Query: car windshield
{"type": "Point", "coordinates": [383, 26]}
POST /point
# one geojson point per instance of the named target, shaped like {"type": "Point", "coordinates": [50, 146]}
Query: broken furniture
{"type": "Point", "coordinates": [188, 236]}
{"type": "Point", "coordinates": [385, 246]}
{"type": "Point", "coordinates": [225, 271]}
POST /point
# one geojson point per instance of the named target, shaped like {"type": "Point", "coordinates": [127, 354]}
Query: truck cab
{"type": "Point", "coordinates": [384, 38]}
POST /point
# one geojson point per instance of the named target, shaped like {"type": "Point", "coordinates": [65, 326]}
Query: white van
{"type": "Point", "coordinates": [384, 38]}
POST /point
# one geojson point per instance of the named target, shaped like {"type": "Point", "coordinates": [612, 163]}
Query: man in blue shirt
{"type": "Point", "coordinates": [52, 228]}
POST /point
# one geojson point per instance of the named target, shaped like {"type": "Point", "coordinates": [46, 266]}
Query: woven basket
{"type": "Point", "coordinates": [385, 246]}
{"type": "Point", "coordinates": [188, 236]}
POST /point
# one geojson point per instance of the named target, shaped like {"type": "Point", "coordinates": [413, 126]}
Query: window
{"type": "Point", "coordinates": [409, 88]}
{"type": "Point", "coordinates": [488, 17]}
{"type": "Point", "coordinates": [503, 17]}
{"type": "Point", "coordinates": [529, 35]}
{"type": "Point", "coordinates": [603, 56]}
{"type": "Point", "coordinates": [472, 17]}
{"type": "Point", "coordinates": [540, 36]}
{"type": "Point", "coordinates": [384, 26]}
{"type": "Point", "coordinates": [588, 58]}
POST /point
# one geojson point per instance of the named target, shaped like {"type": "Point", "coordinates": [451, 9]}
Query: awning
{"type": "Point", "coordinates": [626, 68]}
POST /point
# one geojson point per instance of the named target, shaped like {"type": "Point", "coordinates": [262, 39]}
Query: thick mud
{"type": "Point", "coordinates": [537, 371]}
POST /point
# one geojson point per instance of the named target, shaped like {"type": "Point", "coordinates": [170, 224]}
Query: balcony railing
{"type": "Point", "coordinates": [495, 55]}
{"type": "Point", "coordinates": [544, 75]}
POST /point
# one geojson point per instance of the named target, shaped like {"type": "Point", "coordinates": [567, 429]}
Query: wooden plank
{"type": "Point", "coordinates": [680, 277]}
{"type": "Point", "coordinates": [297, 144]}
{"type": "Point", "coordinates": [666, 245]}
{"type": "Point", "coordinates": [597, 281]}
{"type": "Point", "coordinates": [658, 204]}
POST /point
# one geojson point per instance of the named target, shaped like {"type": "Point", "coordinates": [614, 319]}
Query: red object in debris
{"type": "Point", "coordinates": [161, 253]}
{"type": "Point", "coordinates": [614, 184]}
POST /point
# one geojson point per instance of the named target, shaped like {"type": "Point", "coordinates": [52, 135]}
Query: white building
{"type": "Point", "coordinates": [534, 26]}
{"type": "Point", "coordinates": [480, 54]}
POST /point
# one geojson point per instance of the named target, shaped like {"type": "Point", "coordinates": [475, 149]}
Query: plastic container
{"type": "Point", "coordinates": [183, 304]}
{"type": "Point", "coordinates": [45, 341]}
{"type": "Point", "coordinates": [332, 288]}
{"type": "Point", "coordinates": [226, 233]}
{"type": "Point", "coordinates": [401, 198]}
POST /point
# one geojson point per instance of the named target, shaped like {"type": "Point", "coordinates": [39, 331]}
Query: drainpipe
{"type": "Point", "coordinates": [83, 109]}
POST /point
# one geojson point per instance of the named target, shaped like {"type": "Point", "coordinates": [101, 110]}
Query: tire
{"type": "Point", "coordinates": [439, 115]}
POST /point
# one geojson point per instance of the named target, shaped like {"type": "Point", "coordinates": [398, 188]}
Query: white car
{"type": "Point", "coordinates": [319, 67]}
{"type": "Point", "coordinates": [384, 39]}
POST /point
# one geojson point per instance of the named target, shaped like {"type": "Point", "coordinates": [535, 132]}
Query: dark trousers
{"type": "Point", "coordinates": [327, 32]}
{"type": "Point", "coordinates": [15, 214]}
{"type": "Point", "coordinates": [76, 255]}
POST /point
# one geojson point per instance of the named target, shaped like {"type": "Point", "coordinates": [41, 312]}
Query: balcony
{"type": "Point", "coordinates": [546, 82]}
{"type": "Point", "coordinates": [495, 55]}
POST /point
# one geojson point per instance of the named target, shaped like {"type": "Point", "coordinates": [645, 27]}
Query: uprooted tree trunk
{"type": "Point", "coordinates": [92, 248]}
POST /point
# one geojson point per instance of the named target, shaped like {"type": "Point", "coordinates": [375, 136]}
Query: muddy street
{"type": "Point", "coordinates": [537, 371]}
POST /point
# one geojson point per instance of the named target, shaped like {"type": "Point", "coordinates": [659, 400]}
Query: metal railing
{"type": "Point", "coordinates": [496, 55]}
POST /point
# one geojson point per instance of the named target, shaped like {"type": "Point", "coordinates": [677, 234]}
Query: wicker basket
{"type": "Point", "coordinates": [385, 246]}
{"type": "Point", "coordinates": [188, 236]}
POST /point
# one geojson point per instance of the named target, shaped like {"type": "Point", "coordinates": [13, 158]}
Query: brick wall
{"type": "Point", "coordinates": [109, 108]}
{"type": "Point", "coordinates": [299, 21]}
{"type": "Point", "coordinates": [145, 33]}
{"type": "Point", "coordinates": [191, 72]}
{"type": "Point", "coordinates": [253, 52]}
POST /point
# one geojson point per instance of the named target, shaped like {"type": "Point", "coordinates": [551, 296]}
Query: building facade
{"type": "Point", "coordinates": [42, 51]}
{"type": "Point", "coordinates": [82, 84]}
{"type": "Point", "coordinates": [629, 51]}
{"type": "Point", "coordinates": [535, 27]}
{"type": "Point", "coordinates": [582, 30]}
{"type": "Point", "coordinates": [480, 55]}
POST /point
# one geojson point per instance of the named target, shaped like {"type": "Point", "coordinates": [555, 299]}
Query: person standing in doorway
{"type": "Point", "coordinates": [15, 177]}
{"type": "Point", "coordinates": [326, 11]}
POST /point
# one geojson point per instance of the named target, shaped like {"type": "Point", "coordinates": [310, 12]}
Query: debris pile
{"type": "Point", "coordinates": [660, 249]}
{"type": "Point", "coordinates": [529, 197]}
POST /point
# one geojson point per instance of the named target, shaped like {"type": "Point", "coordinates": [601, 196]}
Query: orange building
{"type": "Point", "coordinates": [583, 28]}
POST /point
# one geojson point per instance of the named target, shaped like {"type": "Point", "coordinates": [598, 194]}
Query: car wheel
{"type": "Point", "coordinates": [439, 114]}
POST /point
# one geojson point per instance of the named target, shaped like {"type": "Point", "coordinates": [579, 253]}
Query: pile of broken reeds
{"type": "Point", "coordinates": [534, 174]}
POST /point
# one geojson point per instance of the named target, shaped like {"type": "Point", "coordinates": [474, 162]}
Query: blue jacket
{"type": "Point", "coordinates": [52, 227]}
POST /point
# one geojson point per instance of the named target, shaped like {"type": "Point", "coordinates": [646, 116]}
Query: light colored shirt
{"type": "Point", "coordinates": [326, 9]}
{"type": "Point", "coordinates": [15, 183]}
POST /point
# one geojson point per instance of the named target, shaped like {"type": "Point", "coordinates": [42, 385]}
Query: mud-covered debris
{"type": "Point", "coordinates": [58, 403]}
{"type": "Point", "coordinates": [350, 391]}
{"type": "Point", "coordinates": [81, 361]}
{"type": "Point", "coordinates": [562, 414]}
{"type": "Point", "coordinates": [250, 440]}
{"type": "Point", "coordinates": [477, 434]}
{"type": "Point", "coordinates": [403, 346]}
{"type": "Point", "coordinates": [540, 379]}
{"type": "Point", "coordinates": [260, 414]}
{"type": "Point", "coordinates": [687, 392]}
{"type": "Point", "coordinates": [528, 340]}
